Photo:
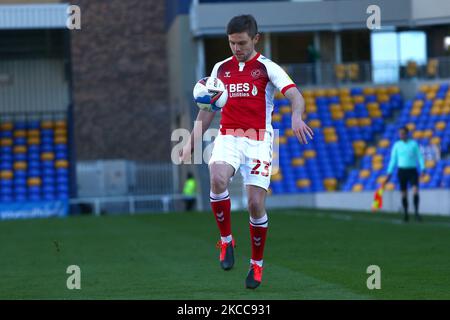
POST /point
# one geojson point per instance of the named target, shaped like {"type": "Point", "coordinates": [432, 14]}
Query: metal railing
{"type": "Point", "coordinates": [128, 204]}
{"type": "Point", "coordinates": [347, 73]}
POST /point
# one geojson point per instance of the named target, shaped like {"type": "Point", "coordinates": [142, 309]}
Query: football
{"type": "Point", "coordinates": [210, 94]}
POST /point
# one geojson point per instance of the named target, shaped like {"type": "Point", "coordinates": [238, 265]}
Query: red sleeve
{"type": "Point", "coordinates": [292, 85]}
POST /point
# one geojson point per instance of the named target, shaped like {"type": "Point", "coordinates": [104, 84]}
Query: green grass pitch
{"type": "Point", "coordinates": [310, 254]}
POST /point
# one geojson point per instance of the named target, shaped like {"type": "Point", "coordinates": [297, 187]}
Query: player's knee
{"type": "Point", "coordinates": [255, 206]}
{"type": "Point", "coordinates": [218, 182]}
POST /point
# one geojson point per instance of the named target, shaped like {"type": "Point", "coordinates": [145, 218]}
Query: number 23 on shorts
{"type": "Point", "coordinates": [265, 172]}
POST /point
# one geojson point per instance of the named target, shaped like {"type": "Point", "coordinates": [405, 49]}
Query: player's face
{"type": "Point", "coordinates": [242, 45]}
{"type": "Point", "coordinates": [403, 135]}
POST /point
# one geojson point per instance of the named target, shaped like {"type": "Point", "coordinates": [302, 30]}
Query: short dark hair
{"type": "Point", "coordinates": [243, 23]}
{"type": "Point", "coordinates": [405, 128]}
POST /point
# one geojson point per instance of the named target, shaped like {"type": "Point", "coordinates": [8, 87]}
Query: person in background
{"type": "Point", "coordinates": [406, 156]}
{"type": "Point", "coordinates": [190, 191]}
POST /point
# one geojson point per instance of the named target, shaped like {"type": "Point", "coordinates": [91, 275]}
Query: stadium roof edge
{"type": "Point", "coordinates": [33, 16]}
{"type": "Point", "coordinates": [317, 15]}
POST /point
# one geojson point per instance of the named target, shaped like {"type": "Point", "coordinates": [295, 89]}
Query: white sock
{"type": "Point", "coordinates": [258, 262]}
{"type": "Point", "coordinates": [260, 222]}
{"type": "Point", "coordinates": [227, 239]}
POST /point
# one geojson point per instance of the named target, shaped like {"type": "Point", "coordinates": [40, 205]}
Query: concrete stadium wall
{"type": "Point", "coordinates": [120, 81]}
{"type": "Point", "coordinates": [431, 201]}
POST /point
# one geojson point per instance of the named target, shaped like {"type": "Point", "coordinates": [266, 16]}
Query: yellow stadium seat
{"type": "Point", "coordinates": [434, 87]}
{"type": "Point", "coordinates": [364, 173]}
{"type": "Point", "coordinates": [320, 92]}
{"type": "Point", "coordinates": [6, 142]}
{"type": "Point", "coordinates": [345, 99]}
{"type": "Point", "coordinates": [309, 154]}
{"type": "Point", "coordinates": [430, 164]}
{"type": "Point", "coordinates": [61, 164]}
{"type": "Point", "coordinates": [308, 93]}
{"type": "Point", "coordinates": [446, 110]}
{"type": "Point", "coordinates": [329, 130]}
{"type": "Point", "coordinates": [365, 122]}
{"type": "Point", "coordinates": [441, 125]}
{"type": "Point", "coordinates": [337, 115]}
{"type": "Point", "coordinates": [20, 133]}
{"type": "Point", "coordinates": [370, 151]}
{"type": "Point", "coordinates": [381, 90]}
{"type": "Point", "coordinates": [6, 126]}
{"type": "Point", "coordinates": [46, 156]}
{"type": "Point", "coordinates": [424, 88]}
{"type": "Point", "coordinates": [435, 140]}
{"type": "Point", "coordinates": [431, 95]}
{"type": "Point", "coordinates": [375, 114]}
{"type": "Point", "coordinates": [357, 187]}
{"type": "Point", "coordinates": [425, 179]}
{"type": "Point", "coordinates": [285, 109]}
{"type": "Point", "coordinates": [34, 140]}
{"type": "Point", "coordinates": [20, 165]}
{"type": "Point", "coordinates": [358, 99]}
{"type": "Point", "coordinates": [278, 95]}
{"type": "Point", "coordinates": [35, 181]}
{"type": "Point", "coordinates": [344, 91]}
{"type": "Point", "coordinates": [60, 124]}
{"type": "Point", "coordinates": [373, 106]}
{"type": "Point", "coordinates": [311, 108]}
{"type": "Point", "coordinates": [393, 90]}
{"type": "Point", "coordinates": [276, 117]}
{"type": "Point", "coordinates": [411, 126]}
{"type": "Point", "coordinates": [415, 111]}
{"type": "Point", "coordinates": [339, 71]}
{"type": "Point", "coordinates": [381, 179]}
{"type": "Point", "coordinates": [353, 71]}
{"type": "Point", "coordinates": [382, 98]}
{"type": "Point", "coordinates": [331, 138]}
{"type": "Point", "coordinates": [384, 143]}
{"type": "Point", "coordinates": [19, 149]}
{"type": "Point", "coordinates": [377, 166]}
{"type": "Point", "coordinates": [34, 133]}
{"type": "Point", "coordinates": [330, 184]}
{"type": "Point", "coordinates": [60, 140]}
{"type": "Point", "coordinates": [438, 102]}
{"type": "Point", "coordinates": [432, 67]}
{"type": "Point", "coordinates": [390, 186]}
{"type": "Point", "coordinates": [6, 174]}
{"type": "Point", "coordinates": [447, 170]}
{"type": "Point", "coordinates": [332, 92]}
{"type": "Point", "coordinates": [289, 133]}
{"type": "Point", "coordinates": [418, 134]}
{"type": "Point", "coordinates": [427, 133]}
{"type": "Point", "coordinates": [298, 162]}
{"type": "Point", "coordinates": [282, 140]}
{"type": "Point", "coordinates": [369, 90]}
{"type": "Point", "coordinates": [276, 177]}
{"type": "Point", "coordinates": [303, 183]}
{"type": "Point", "coordinates": [47, 124]}
{"type": "Point", "coordinates": [411, 69]}
{"type": "Point", "coordinates": [315, 123]}
{"type": "Point", "coordinates": [348, 106]}
{"type": "Point", "coordinates": [418, 104]}
{"type": "Point", "coordinates": [377, 158]}
{"type": "Point", "coordinates": [358, 147]}
{"type": "Point", "coordinates": [351, 122]}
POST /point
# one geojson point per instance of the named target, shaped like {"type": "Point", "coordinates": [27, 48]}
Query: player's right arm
{"type": "Point", "coordinates": [201, 124]}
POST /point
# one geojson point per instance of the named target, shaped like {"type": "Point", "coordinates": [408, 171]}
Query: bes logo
{"type": "Point", "coordinates": [236, 90]}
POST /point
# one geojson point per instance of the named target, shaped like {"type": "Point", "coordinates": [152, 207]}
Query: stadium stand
{"type": "Point", "coordinates": [34, 161]}
{"type": "Point", "coordinates": [354, 130]}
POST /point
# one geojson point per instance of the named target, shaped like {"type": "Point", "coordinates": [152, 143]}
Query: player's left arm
{"type": "Point", "coordinates": [300, 128]}
{"type": "Point", "coordinates": [420, 159]}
